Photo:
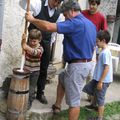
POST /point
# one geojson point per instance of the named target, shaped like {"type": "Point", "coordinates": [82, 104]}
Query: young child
{"type": "Point", "coordinates": [33, 53]}
{"type": "Point", "coordinates": [95, 16]}
{"type": "Point", "coordinates": [101, 24]}
{"type": "Point", "coordinates": [103, 74]}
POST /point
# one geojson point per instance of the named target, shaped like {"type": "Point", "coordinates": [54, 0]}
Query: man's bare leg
{"type": "Point", "coordinates": [60, 95]}
{"type": "Point", "coordinates": [74, 113]}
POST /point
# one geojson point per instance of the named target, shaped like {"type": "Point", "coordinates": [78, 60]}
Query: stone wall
{"type": "Point", "coordinates": [108, 7]}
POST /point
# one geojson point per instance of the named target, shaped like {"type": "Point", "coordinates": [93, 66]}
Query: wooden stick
{"type": "Point", "coordinates": [27, 10]}
{"type": "Point", "coordinates": [25, 31]}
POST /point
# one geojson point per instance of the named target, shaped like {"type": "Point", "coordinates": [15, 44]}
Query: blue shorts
{"type": "Point", "coordinates": [91, 89]}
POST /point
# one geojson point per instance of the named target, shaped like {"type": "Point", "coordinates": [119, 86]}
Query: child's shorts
{"type": "Point", "coordinates": [91, 89]}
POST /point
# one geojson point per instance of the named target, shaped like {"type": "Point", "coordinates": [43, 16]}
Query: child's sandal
{"type": "Point", "coordinates": [56, 109]}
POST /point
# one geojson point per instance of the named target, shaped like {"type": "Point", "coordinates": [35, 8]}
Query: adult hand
{"type": "Point", "coordinates": [29, 17]}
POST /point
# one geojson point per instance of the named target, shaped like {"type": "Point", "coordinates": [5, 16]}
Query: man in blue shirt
{"type": "Point", "coordinates": [78, 46]}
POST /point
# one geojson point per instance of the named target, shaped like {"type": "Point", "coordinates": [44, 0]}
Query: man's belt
{"type": "Point", "coordinates": [79, 61]}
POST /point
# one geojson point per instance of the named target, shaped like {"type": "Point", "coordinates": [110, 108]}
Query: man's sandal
{"type": "Point", "coordinates": [55, 109]}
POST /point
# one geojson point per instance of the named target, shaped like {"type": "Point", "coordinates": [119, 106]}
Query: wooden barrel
{"type": "Point", "coordinates": [18, 95]}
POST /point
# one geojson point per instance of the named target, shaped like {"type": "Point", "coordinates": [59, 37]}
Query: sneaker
{"type": "Point", "coordinates": [42, 99]}
{"type": "Point", "coordinates": [91, 107]}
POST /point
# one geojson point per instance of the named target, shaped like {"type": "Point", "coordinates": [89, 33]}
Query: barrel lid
{"type": "Point", "coordinates": [17, 71]}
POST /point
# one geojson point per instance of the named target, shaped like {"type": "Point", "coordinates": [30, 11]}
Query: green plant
{"type": "Point", "coordinates": [110, 110]}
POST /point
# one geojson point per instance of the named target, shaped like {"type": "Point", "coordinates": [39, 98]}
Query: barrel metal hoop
{"type": "Point", "coordinates": [19, 92]}
{"type": "Point", "coordinates": [17, 112]}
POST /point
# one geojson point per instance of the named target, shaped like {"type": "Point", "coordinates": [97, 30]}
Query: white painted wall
{"type": "Point", "coordinates": [83, 4]}
{"type": "Point", "coordinates": [58, 48]}
{"type": "Point", "coordinates": [1, 16]}
{"type": "Point", "coordinates": [12, 31]}
{"type": "Point", "coordinates": [116, 31]}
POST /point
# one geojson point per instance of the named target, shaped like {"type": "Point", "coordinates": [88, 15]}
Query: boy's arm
{"type": "Point", "coordinates": [30, 50]}
{"type": "Point", "coordinates": [24, 44]}
{"type": "Point", "coordinates": [23, 39]}
{"type": "Point", "coordinates": [100, 82]}
{"type": "Point", "coordinates": [38, 52]}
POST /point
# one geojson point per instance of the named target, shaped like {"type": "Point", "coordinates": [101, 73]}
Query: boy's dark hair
{"type": "Point", "coordinates": [35, 34]}
{"type": "Point", "coordinates": [95, 1]}
{"type": "Point", "coordinates": [104, 35]}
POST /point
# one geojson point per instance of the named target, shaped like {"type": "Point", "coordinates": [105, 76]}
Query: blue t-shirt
{"type": "Point", "coordinates": [104, 58]}
{"type": "Point", "coordinates": [79, 38]}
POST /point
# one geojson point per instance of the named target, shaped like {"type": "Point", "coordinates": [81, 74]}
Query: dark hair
{"type": "Point", "coordinates": [104, 34]}
{"type": "Point", "coordinates": [95, 1]}
{"type": "Point", "coordinates": [35, 34]}
{"type": "Point", "coordinates": [69, 5]}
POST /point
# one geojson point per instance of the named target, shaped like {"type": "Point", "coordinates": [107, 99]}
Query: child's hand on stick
{"type": "Point", "coordinates": [23, 42]}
